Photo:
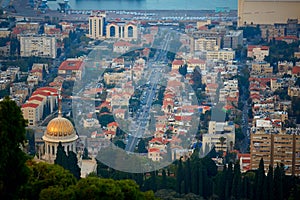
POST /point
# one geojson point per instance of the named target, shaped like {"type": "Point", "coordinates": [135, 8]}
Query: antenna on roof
{"type": "Point", "coordinates": [59, 103]}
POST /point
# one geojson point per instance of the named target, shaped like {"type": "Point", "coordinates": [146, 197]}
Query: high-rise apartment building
{"type": "Point", "coordinates": [38, 45]}
{"type": "Point", "coordinates": [267, 11]}
{"type": "Point", "coordinates": [276, 149]}
{"type": "Point", "coordinates": [97, 25]}
{"type": "Point", "coordinates": [233, 39]}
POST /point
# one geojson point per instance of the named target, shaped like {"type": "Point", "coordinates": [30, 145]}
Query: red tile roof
{"type": "Point", "coordinates": [196, 61]}
{"type": "Point", "coordinates": [36, 70]}
{"type": "Point", "coordinates": [50, 89]}
{"type": "Point", "coordinates": [30, 105]}
{"type": "Point", "coordinates": [212, 85]}
{"type": "Point", "coordinates": [288, 37]}
{"type": "Point", "coordinates": [153, 150]}
{"type": "Point", "coordinates": [159, 140]}
{"type": "Point", "coordinates": [36, 98]}
{"type": "Point", "coordinates": [112, 124]}
{"type": "Point", "coordinates": [43, 93]}
{"type": "Point", "coordinates": [122, 44]}
{"type": "Point", "coordinates": [177, 62]}
{"type": "Point", "coordinates": [70, 65]}
{"type": "Point", "coordinates": [296, 70]}
{"type": "Point", "coordinates": [251, 47]}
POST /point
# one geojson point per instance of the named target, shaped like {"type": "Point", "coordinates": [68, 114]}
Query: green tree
{"type": "Point", "coordinates": [105, 119]}
{"type": "Point", "coordinates": [222, 184]}
{"type": "Point", "coordinates": [164, 179]}
{"type": "Point", "coordinates": [120, 144]}
{"type": "Point", "coordinates": [278, 182]}
{"type": "Point", "coordinates": [236, 185]}
{"type": "Point", "coordinates": [104, 110]}
{"type": "Point", "coordinates": [201, 181]}
{"type": "Point", "coordinates": [13, 171]}
{"type": "Point", "coordinates": [73, 164]}
{"type": "Point", "coordinates": [153, 184]}
{"type": "Point", "coordinates": [222, 141]}
{"type": "Point", "coordinates": [187, 177]}
{"type": "Point", "coordinates": [43, 176]}
{"type": "Point", "coordinates": [270, 183]}
{"type": "Point", "coordinates": [85, 155]}
{"type": "Point", "coordinates": [61, 156]}
{"type": "Point", "coordinates": [229, 180]}
{"type": "Point", "coordinates": [96, 188]}
{"type": "Point", "coordinates": [142, 147]}
{"type": "Point", "coordinates": [179, 176]}
{"type": "Point", "coordinates": [183, 70]}
{"type": "Point", "coordinates": [259, 179]}
{"type": "Point", "coordinates": [129, 189]}
{"type": "Point", "coordinates": [69, 162]}
{"type": "Point", "coordinates": [55, 192]}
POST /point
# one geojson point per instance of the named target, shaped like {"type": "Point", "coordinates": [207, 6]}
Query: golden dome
{"type": "Point", "coordinates": [60, 127]}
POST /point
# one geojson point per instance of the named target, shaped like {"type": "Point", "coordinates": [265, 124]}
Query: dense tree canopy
{"type": "Point", "coordinates": [13, 171]}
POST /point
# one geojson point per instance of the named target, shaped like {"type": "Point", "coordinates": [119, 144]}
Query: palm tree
{"type": "Point", "coordinates": [231, 145]}
{"type": "Point", "coordinates": [222, 141]}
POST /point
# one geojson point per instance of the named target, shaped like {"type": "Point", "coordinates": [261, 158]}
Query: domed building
{"type": "Point", "coordinates": [58, 130]}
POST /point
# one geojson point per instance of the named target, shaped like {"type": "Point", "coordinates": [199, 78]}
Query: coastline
{"type": "Point", "coordinates": [82, 15]}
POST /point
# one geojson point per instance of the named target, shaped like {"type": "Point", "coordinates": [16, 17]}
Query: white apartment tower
{"type": "Point", "coordinates": [97, 25]}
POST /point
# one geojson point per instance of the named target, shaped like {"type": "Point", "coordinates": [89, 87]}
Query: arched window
{"type": "Point", "coordinates": [112, 31]}
{"type": "Point", "coordinates": [130, 31]}
{"type": "Point", "coordinates": [48, 152]}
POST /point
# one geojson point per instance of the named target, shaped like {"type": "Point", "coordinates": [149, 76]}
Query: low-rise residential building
{"type": "Point", "coordinates": [28, 27]}
{"type": "Point", "coordinates": [122, 47]}
{"type": "Point", "coordinates": [294, 91]}
{"type": "Point", "coordinates": [91, 123]}
{"type": "Point", "coordinates": [42, 102]}
{"type": "Point", "coordinates": [193, 63]}
{"type": "Point", "coordinates": [71, 69]}
{"type": "Point", "coordinates": [5, 50]}
{"type": "Point", "coordinates": [285, 67]}
{"type": "Point", "coordinates": [261, 68]}
{"type": "Point", "coordinates": [176, 64]}
{"type": "Point", "coordinates": [19, 92]}
{"type": "Point", "coordinates": [257, 52]}
{"type": "Point", "coordinates": [31, 112]}
{"type": "Point", "coordinates": [223, 54]}
{"type": "Point", "coordinates": [4, 32]}
{"type": "Point", "coordinates": [221, 135]}
{"type": "Point", "coordinates": [8, 76]}
{"type": "Point", "coordinates": [32, 80]}
{"type": "Point", "coordinates": [206, 44]}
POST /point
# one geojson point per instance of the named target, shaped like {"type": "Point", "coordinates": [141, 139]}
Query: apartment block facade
{"type": "Point", "coordinates": [38, 45]}
{"type": "Point", "coordinates": [233, 39]}
{"type": "Point", "coordinates": [276, 149]}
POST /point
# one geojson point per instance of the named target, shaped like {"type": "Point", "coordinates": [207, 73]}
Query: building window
{"type": "Point", "coordinates": [112, 31]}
{"type": "Point", "coordinates": [130, 31]}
